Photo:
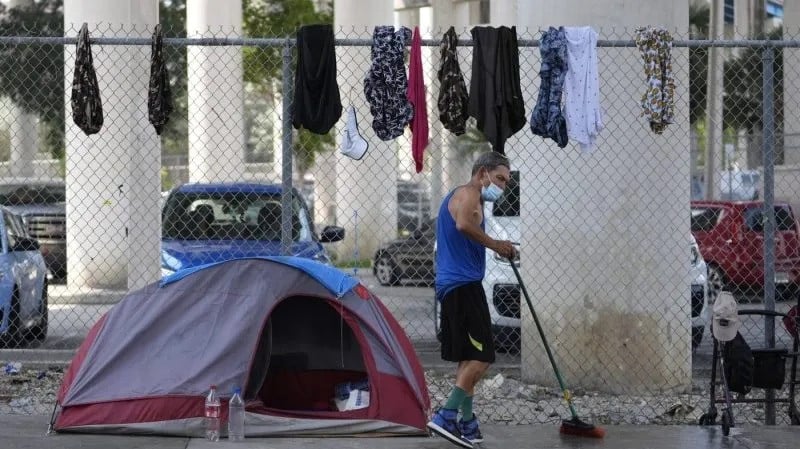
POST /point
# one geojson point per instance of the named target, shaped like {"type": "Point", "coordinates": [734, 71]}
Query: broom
{"type": "Point", "coordinates": [573, 425]}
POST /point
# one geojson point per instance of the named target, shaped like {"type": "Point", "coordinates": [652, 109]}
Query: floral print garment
{"type": "Point", "coordinates": [655, 46]}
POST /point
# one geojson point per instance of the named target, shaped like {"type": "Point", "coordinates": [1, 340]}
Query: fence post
{"type": "Point", "coordinates": [768, 95]}
{"type": "Point", "coordinates": [286, 150]}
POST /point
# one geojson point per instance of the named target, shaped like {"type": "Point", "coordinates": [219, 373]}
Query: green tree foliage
{"type": "Point", "coordinates": [32, 75]}
{"type": "Point", "coordinates": [743, 97]}
{"type": "Point", "coordinates": [175, 138]}
{"type": "Point", "coordinates": [699, 16]}
{"type": "Point", "coordinates": [263, 66]}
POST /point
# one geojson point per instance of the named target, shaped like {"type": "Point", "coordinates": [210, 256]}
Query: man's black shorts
{"type": "Point", "coordinates": [466, 325]}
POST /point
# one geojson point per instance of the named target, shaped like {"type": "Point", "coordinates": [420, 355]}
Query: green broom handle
{"type": "Point", "coordinates": [567, 395]}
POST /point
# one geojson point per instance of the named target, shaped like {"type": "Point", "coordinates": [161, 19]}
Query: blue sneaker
{"type": "Point", "coordinates": [444, 423]}
{"type": "Point", "coordinates": [470, 430]}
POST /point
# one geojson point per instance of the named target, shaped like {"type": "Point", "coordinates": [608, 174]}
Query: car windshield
{"type": "Point", "coordinates": [704, 219]}
{"type": "Point", "coordinates": [508, 204]}
{"type": "Point", "coordinates": [784, 220]}
{"type": "Point", "coordinates": [231, 216]}
{"type": "Point", "coordinates": [20, 195]}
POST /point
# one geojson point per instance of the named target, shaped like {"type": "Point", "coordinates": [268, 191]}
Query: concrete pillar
{"type": "Point", "coordinates": [606, 259]}
{"type": "Point", "coordinates": [216, 93]}
{"type": "Point", "coordinates": [23, 132]}
{"type": "Point", "coordinates": [112, 177]}
{"type": "Point", "coordinates": [791, 85]}
{"type": "Point", "coordinates": [367, 187]}
{"type": "Point", "coordinates": [23, 129]}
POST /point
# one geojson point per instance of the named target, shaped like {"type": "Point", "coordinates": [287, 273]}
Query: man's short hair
{"type": "Point", "coordinates": [490, 160]}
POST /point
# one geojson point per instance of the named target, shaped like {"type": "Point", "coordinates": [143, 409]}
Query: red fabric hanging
{"type": "Point", "coordinates": [416, 95]}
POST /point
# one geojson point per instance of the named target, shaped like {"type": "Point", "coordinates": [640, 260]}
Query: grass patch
{"type": "Point", "coordinates": [362, 263]}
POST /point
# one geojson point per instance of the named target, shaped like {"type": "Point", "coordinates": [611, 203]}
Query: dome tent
{"type": "Point", "coordinates": [287, 330]}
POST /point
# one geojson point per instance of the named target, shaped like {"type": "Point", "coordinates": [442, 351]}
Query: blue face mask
{"type": "Point", "coordinates": [491, 193]}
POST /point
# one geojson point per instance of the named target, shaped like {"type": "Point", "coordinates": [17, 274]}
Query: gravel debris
{"type": "Point", "coordinates": [500, 398]}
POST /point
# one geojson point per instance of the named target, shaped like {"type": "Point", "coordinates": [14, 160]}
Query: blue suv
{"type": "Point", "coordinates": [205, 223]}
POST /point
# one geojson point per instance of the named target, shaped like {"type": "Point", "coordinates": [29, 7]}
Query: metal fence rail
{"type": "Point", "coordinates": [603, 235]}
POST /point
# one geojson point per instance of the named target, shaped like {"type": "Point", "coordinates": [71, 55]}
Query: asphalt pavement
{"type": "Point", "coordinates": [29, 432]}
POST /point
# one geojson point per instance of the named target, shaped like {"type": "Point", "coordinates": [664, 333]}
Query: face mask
{"type": "Point", "coordinates": [491, 193]}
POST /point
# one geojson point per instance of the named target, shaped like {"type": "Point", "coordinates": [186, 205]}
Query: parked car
{"type": "Point", "coordinates": [731, 237]}
{"type": "Point", "coordinates": [205, 223]}
{"type": "Point", "coordinates": [407, 258]}
{"type": "Point", "coordinates": [413, 206]}
{"type": "Point", "coordinates": [42, 207]}
{"type": "Point", "coordinates": [23, 283]}
{"type": "Point", "coordinates": [701, 300]}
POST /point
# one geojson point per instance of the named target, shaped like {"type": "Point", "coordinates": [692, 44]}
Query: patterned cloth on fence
{"type": "Point", "coordinates": [453, 96]}
{"type": "Point", "coordinates": [495, 96]}
{"type": "Point", "coordinates": [159, 98]}
{"type": "Point", "coordinates": [547, 119]}
{"type": "Point", "coordinates": [416, 96]}
{"type": "Point", "coordinates": [317, 102]}
{"type": "Point", "coordinates": [386, 84]}
{"type": "Point", "coordinates": [582, 87]}
{"type": "Point", "coordinates": [655, 45]}
{"type": "Point", "coordinates": [87, 107]}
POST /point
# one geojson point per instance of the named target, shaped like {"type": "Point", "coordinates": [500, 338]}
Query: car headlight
{"type": "Point", "coordinates": [166, 272]}
{"type": "Point", "coordinates": [695, 255]}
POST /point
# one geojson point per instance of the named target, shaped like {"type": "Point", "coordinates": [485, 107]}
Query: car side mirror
{"type": "Point", "coordinates": [25, 244]}
{"type": "Point", "coordinates": [331, 234]}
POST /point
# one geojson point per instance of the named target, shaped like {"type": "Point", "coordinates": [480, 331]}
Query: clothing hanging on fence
{"type": "Point", "coordinates": [386, 84]}
{"type": "Point", "coordinates": [582, 87]}
{"type": "Point", "coordinates": [87, 106]}
{"type": "Point", "coordinates": [159, 96]}
{"type": "Point", "coordinates": [353, 145]}
{"type": "Point", "coordinates": [547, 120]}
{"type": "Point", "coordinates": [416, 96]}
{"type": "Point", "coordinates": [317, 102]}
{"type": "Point", "coordinates": [495, 98]}
{"type": "Point", "coordinates": [655, 46]}
{"type": "Point", "coordinates": [453, 96]}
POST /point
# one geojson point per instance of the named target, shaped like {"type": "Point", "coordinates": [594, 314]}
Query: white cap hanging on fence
{"type": "Point", "coordinates": [353, 145]}
{"type": "Point", "coordinates": [159, 97]}
{"type": "Point", "coordinates": [87, 107]}
{"type": "Point", "coordinates": [726, 317]}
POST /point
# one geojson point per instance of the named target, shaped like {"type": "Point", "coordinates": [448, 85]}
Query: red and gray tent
{"type": "Point", "coordinates": [286, 330]}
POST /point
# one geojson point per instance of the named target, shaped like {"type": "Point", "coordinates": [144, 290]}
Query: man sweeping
{"type": "Point", "coordinates": [460, 267]}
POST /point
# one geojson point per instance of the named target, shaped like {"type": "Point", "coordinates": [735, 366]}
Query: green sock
{"type": "Point", "coordinates": [466, 408]}
{"type": "Point", "coordinates": [455, 399]}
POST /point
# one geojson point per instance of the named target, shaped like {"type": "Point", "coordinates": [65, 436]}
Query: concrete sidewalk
{"type": "Point", "coordinates": [28, 432]}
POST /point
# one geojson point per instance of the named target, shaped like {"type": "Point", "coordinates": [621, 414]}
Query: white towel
{"type": "Point", "coordinates": [582, 87]}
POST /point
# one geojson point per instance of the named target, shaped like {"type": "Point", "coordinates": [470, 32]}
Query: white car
{"type": "Point", "coordinates": [701, 299]}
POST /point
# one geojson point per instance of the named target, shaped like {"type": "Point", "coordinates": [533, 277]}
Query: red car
{"type": "Point", "coordinates": [731, 237]}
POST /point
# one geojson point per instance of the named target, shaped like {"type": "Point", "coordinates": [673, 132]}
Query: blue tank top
{"type": "Point", "coordinates": [459, 260]}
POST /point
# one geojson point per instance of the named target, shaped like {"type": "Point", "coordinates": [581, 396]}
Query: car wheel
{"type": "Point", "coordinates": [697, 336]}
{"type": "Point", "coordinates": [716, 282]}
{"type": "Point", "coordinates": [39, 331]}
{"type": "Point", "coordinates": [386, 271]}
{"type": "Point", "coordinates": [11, 338]}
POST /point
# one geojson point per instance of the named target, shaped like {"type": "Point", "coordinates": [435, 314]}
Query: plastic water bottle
{"type": "Point", "coordinates": [212, 414]}
{"type": "Point", "coordinates": [236, 416]}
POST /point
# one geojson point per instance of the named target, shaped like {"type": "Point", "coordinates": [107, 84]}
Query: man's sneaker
{"type": "Point", "coordinates": [470, 430]}
{"type": "Point", "coordinates": [443, 423]}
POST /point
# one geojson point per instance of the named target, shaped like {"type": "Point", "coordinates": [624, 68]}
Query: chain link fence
{"type": "Point", "coordinates": [624, 282]}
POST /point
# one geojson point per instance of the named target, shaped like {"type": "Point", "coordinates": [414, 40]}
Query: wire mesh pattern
{"type": "Point", "coordinates": [602, 234]}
